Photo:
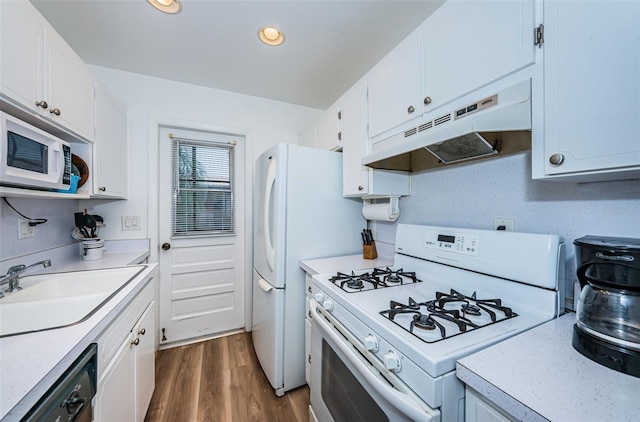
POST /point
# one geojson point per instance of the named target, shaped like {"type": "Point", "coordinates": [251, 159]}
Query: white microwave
{"type": "Point", "coordinates": [32, 158]}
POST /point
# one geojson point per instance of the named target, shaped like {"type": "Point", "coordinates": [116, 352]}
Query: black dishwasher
{"type": "Point", "coordinates": [69, 399]}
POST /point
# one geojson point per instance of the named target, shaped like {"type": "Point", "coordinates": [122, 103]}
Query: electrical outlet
{"type": "Point", "coordinates": [506, 224]}
{"type": "Point", "coordinates": [25, 231]}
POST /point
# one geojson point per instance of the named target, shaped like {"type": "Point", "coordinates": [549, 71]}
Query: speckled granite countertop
{"type": "Point", "coordinates": [539, 376]}
{"type": "Point", "coordinates": [343, 263]}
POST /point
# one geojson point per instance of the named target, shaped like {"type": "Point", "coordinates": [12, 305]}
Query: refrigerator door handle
{"type": "Point", "coordinates": [264, 285]}
{"type": "Point", "coordinates": [270, 251]}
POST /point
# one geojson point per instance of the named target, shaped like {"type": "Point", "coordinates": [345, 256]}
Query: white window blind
{"type": "Point", "coordinates": [203, 187]}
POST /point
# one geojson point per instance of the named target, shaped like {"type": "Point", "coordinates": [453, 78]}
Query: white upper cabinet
{"type": "Point", "coordinates": [21, 63]}
{"type": "Point", "coordinates": [592, 92]}
{"type": "Point", "coordinates": [358, 180]}
{"type": "Point", "coordinates": [69, 87]}
{"type": "Point", "coordinates": [110, 149]}
{"type": "Point", "coordinates": [41, 74]}
{"type": "Point", "coordinates": [327, 130]}
{"type": "Point", "coordinates": [355, 176]}
{"type": "Point", "coordinates": [468, 44]}
{"type": "Point", "coordinates": [394, 88]}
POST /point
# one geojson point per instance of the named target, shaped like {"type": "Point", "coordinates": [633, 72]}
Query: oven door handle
{"type": "Point", "coordinates": [401, 397]}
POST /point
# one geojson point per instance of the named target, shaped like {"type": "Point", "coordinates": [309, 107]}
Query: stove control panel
{"type": "Point", "coordinates": [461, 243]}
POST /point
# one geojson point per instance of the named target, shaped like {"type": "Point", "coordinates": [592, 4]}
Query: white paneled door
{"type": "Point", "coordinates": [201, 232]}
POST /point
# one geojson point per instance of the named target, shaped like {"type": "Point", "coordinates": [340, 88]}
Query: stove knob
{"type": "Point", "coordinates": [328, 304]}
{"type": "Point", "coordinates": [371, 343]}
{"type": "Point", "coordinates": [319, 297]}
{"type": "Point", "coordinates": [392, 361]}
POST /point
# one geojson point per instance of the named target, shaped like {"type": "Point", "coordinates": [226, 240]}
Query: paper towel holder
{"type": "Point", "coordinates": [385, 211]}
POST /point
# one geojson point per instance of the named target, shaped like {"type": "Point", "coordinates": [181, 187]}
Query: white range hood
{"type": "Point", "coordinates": [493, 125]}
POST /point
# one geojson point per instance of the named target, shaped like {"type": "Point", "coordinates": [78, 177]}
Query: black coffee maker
{"type": "Point", "coordinates": [608, 312]}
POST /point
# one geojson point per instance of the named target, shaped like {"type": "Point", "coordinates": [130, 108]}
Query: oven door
{"type": "Point", "coordinates": [345, 386]}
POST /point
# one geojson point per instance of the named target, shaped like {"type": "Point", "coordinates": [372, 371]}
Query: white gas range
{"type": "Point", "coordinates": [389, 338]}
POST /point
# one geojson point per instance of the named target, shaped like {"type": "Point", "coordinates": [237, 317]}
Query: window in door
{"type": "Point", "coordinates": [203, 188]}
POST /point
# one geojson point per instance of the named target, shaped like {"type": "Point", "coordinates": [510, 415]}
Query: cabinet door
{"type": "Point", "coordinates": [592, 88]}
{"type": "Point", "coordinates": [477, 409]}
{"type": "Point", "coordinates": [355, 176]}
{"type": "Point", "coordinates": [115, 396]}
{"type": "Point", "coordinates": [394, 91]}
{"type": "Point", "coordinates": [21, 62]}
{"type": "Point", "coordinates": [69, 86]}
{"type": "Point", "coordinates": [110, 148]}
{"type": "Point", "coordinates": [469, 44]}
{"type": "Point", "coordinates": [327, 130]}
{"type": "Point", "coordinates": [144, 331]}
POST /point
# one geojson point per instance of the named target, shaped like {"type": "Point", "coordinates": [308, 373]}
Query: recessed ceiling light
{"type": "Point", "coordinates": [270, 35]}
{"type": "Point", "coordinates": [166, 6]}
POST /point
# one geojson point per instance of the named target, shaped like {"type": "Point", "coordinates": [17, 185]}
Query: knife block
{"type": "Point", "coordinates": [369, 251]}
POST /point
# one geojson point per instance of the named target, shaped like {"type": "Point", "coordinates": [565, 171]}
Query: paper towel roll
{"type": "Point", "coordinates": [381, 212]}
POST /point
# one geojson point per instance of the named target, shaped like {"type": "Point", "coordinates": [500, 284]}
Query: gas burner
{"type": "Point", "coordinates": [437, 313]}
{"type": "Point", "coordinates": [424, 322]}
{"type": "Point", "coordinates": [353, 283]}
{"type": "Point", "coordinates": [482, 304]}
{"type": "Point", "coordinates": [372, 280]}
{"type": "Point", "coordinates": [395, 276]}
{"type": "Point", "coordinates": [469, 309]}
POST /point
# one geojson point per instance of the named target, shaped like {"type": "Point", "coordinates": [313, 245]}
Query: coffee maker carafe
{"type": "Point", "coordinates": [608, 312]}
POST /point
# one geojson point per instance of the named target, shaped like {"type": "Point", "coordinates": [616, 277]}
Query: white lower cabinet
{"type": "Point", "coordinates": [126, 369]}
{"type": "Point", "coordinates": [478, 409]}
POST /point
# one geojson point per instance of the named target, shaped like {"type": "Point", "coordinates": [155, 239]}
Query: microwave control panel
{"type": "Point", "coordinates": [66, 174]}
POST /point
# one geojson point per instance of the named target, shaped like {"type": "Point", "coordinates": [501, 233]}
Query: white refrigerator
{"type": "Point", "coordinates": [299, 213]}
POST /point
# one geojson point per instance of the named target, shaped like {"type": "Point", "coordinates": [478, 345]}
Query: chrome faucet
{"type": "Point", "coordinates": [12, 278]}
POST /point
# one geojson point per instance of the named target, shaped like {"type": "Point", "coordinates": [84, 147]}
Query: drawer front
{"type": "Point", "coordinates": [121, 327]}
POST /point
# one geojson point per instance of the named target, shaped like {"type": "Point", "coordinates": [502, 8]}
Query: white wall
{"type": "Point", "coordinates": [268, 122]}
{"type": "Point", "coordinates": [473, 194]}
{"type": "Point", "coordinates": [54, 233]}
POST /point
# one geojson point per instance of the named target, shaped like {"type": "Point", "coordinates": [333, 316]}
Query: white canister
{"type": "Point", "coordinates": [91, 249]}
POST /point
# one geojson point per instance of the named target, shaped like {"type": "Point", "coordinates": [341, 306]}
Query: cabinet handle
{"type": "Point", "coordinates": [411, 109]}
{"type": "Point", "coordinates": [135, 342]}
{"type": "Point", "coordinates": [556, 159]}
{"type": "Point", "coordinates": [42, 104]}
{"type": "Point", "coordinates": [166, 246]}
{"type": "Point", "coordinates": [427, 100]}
{"type": "Point", "coordinates": [339, 136]}
{"type": "Point", "coordinates": [309, 358]}
{"type": "Point", "coordinates": [102, 189]}
{"type": "Point", "coordinates": [310, 314]}
{"type": "Point", "coordinates": [55, 111]}
{"type": "Point", "coordinates": [360, 187]}
{"type": "Point", "coordinates": [142, 332]}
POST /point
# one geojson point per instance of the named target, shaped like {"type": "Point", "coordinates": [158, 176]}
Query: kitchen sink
{"type": "Point", "coordinates": [57, 300]}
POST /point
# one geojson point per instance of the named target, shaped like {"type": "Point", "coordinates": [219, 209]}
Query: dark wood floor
{"type": "Point", "coordinates": [220, 380]}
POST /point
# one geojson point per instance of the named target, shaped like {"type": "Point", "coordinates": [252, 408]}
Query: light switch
{"type": "Point", "coordinates": [130, 222]}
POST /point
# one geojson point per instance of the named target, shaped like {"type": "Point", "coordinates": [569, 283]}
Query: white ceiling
{"type": "Point", "coordinates": [328, 46]}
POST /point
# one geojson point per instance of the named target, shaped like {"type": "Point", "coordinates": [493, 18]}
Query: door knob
{"type": "Point", "coordinates": [55, 111]}
{"type": "Point", "coordinates": [411, 109]}
{"type": "Point", "coordinates": [42, 104]}
{"type": "Point", "coordinates": [166, 246]}
{"type": "Point", "coordinates": [427, 100]}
